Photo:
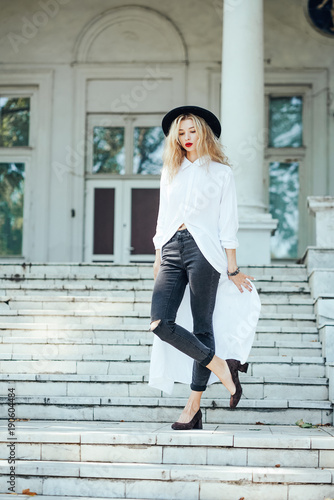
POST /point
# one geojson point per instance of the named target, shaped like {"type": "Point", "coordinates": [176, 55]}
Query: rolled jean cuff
{"type": "Point", "coordinates": [199, 388]}
{"type": "Point", "coordinates": [209, 358]}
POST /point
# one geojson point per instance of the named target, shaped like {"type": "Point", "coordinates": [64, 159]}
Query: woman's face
{"type": "Point", "coordinates": [187, 135]}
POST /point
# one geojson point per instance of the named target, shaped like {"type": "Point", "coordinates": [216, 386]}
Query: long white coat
{"type": "Point", "coordinates": [202, 195]}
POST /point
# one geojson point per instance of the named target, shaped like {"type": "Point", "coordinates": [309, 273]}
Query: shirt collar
{"type": "Point", "coordinates": [200, 161]}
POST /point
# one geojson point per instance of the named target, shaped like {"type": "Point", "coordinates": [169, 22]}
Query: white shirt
{"type": "Point", "coordinates": [206, 203]}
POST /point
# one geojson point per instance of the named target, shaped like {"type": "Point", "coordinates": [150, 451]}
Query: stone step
{"type": "Point", "coordinates": [12, 327]}
{"type": "Point", "coordinates": [78, 287]}
{"type": "Point", "coordinates": [126, 308]}
{"type": "Point", "coordinates": [135, 275]}
{"type": "Point", "coordinates": [117, 289]}
{"type": "Point", "coordinates": [97, 266]}
{"type": "Point", "coordinates": [129, 334]}
{"type": "Point", "coordinates": [45, 347]}
{"type": "Point", "coordinates": [95, 335]}
{"type": "Point", "coordinates": [299, 388]}
{"type": "Point", "coordinates": [18, 496]}
{"type": "Point", "coordinates": [143, 360]}
{"type": "Point", "coordinates": [157, 443]}
{"type": "Point", "coordinates": [41, 347]}
{"type": "Point", "coordinates": [128, 317]}
{"type": "Point", "coordinates": [270, 411]}
{"type": "Point", "coordinates": [141, 296]}
{"type": "Point", "coordinates": [145, 409]}
{"type": "Point", "coordinates": [124, 304]}
{"type": "Point", "coordinates": [287, 336]}
{"type": "Point", "coordinates": [116, 271]}
{"type": "Point", "coordinates": [130, 378]}
{"type": "Point", "coordinates": [128, 282]}
{"type": "Point", "coordinates": [289, 366]}
{"type": "Point", "coordinates": [73, 377]}
{"type": "Point", "coordinates": [74, 337]}
{"type": "Point", "coordinates": [114, 278]}
{"type": "Point", "coordinates": [180, 482]}
{"type": "Point", "coordinates": [101, 412]}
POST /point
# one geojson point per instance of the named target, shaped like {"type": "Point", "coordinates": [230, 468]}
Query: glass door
{"type": "Point", "coordinates": [123, 165]}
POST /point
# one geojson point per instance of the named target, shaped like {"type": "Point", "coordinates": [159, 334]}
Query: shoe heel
{"type": "Point", "coordinates": [198, 424]}
{"type": "Point", "coordinates": [243, 368]}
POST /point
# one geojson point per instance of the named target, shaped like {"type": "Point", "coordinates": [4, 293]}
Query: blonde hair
{"type": "Point", "coordinates": [207, 144]}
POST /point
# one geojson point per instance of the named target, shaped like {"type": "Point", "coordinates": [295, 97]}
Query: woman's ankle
{"type": "Point", "coordinates": [221, 369]}
{"type": "Point", "coordinates": [213, 365]}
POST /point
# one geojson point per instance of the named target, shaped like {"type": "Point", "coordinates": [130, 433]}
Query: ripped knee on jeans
{"type": "Point", "coordinates": [154, 324]}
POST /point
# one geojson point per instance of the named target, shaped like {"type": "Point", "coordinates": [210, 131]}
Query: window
{"type": "Point", "coordinates": [147, 152]}
{"type": "Point", "coordinates": [108, 150]}
{"type": "Point", "coordinates": [124, 145]}
{"type": "Point", "coordinates": [14, 121]}
{"type": "Point", "coordinates": [11, 208]}
{"type": "Point", "coordinates": [283, 205]}
{"type": "Point", "coordinates": [15, 155]}
{"type": "Point", "coordinates": [285, 153]}
{"type": "Point", "coordinates": [285, 122]}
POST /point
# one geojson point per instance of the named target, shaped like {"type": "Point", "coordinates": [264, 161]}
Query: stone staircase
{"type": "Point", "coordinates": [75, 346]}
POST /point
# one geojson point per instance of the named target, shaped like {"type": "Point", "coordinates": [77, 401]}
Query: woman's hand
{"type": "Point", "coordinates": [241, 280]}
{"type": "Point", "coordinates": [156, 264]}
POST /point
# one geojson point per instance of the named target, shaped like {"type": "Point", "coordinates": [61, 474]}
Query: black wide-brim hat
{"type": "Point", "coordinates": [209, 117]}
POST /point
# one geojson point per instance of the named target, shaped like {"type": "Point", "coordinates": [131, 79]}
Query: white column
{"type": "Point", "coordinates": [242, 118]}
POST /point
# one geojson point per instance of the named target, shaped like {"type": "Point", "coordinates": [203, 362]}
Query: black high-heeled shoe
{"type": "Point", "coordinates": [195, 423]}
{"type": "Point", "coordinates": [235, 365]}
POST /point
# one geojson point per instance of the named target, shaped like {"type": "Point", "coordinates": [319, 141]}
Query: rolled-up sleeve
{"type": "Point", "coordinates": [228, 214]}
{"type": "Point", "coordinates": [157, 238]}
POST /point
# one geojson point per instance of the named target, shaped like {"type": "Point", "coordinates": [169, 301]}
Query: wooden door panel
{"type": "Point", "coordinates": [144, 213]}
{"type": "Point", "coordinates": [104, 220]}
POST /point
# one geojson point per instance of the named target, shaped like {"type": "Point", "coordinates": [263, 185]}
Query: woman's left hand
{"type": "Point", "coordinates": [241, 280]}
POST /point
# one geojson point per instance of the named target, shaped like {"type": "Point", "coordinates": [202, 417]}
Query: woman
{"type": "Point", "coordinates": [197, 221]}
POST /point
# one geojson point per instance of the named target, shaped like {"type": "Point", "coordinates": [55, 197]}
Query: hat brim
{"type": "Point", "coordinates": [207, 115]}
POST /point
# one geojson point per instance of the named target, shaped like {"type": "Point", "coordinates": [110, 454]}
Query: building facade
{"type": "Point", "coordinates": [84, 86]}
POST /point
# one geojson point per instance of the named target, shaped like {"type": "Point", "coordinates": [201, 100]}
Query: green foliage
{"type": "Point", "coordinates": [108, 152]}
{"type": "Point", "coordinates": [14, 121]}
{"type": "Point", "coordinates": [286, 122]}
{"type": "Point", "coordinates": [283, 205]}
{"type": "Point", "coordinates": [303, 424]}
{"type": "Point", "coordinates": [148, 142]}
{"type": "Point", "coordinates": [11, 208]}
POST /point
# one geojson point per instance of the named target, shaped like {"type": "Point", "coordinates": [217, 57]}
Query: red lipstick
{"type": "Point", "coordinates": [189, 144]}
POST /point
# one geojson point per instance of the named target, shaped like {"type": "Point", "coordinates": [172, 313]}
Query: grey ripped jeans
{"type": "Point", "coordinates": [182, 262]}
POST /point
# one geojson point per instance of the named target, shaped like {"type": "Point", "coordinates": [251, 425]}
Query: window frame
{"type": "Point", "coordinates": [129, 121]}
